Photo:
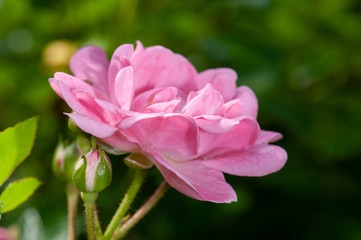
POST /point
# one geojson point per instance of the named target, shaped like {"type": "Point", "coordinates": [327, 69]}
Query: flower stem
{"type": "Point", "coordinates": [72, 199]}
{"type": "Point", "coordinates": [89, 202]}
{"type": "Point", "coordinates": [98, 228]}
{"type": "Point", "coordinates": [157, 195]}
{"type": "Point", "coordinates": [125, 204]}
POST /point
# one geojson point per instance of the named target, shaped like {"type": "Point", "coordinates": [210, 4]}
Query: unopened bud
{"type": "Point", "coordinates": [93, 172]}
{"type": "Point", "coordinates": [64, 160]}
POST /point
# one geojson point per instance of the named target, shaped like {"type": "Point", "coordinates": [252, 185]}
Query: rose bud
{"type": "Point", "coordinates": [93, 172]}
{"type": "Point", "coordinates": [64, 160]}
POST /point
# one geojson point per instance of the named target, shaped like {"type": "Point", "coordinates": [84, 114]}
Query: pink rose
{"type": "Point", "coordinates": [193, 126]}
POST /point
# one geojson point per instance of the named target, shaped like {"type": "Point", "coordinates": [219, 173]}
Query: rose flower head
{"type": "Point", "coordinates": [192, 126]}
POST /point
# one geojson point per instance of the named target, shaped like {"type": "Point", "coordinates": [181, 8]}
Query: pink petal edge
{"type": "Point", "coordinates": [256, 161]}
{"type": "Point", "coordinates": [95, 128]}
{"type": "Point", "coordinates": [195, 180]}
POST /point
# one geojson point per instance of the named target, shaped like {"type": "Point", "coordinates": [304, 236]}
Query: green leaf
{"type": "Point", "coordinates": [18, 192]}
{"type": "Point", "coordinates": [15, 145]}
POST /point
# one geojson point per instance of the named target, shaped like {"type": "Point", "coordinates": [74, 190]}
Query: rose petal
{"type": "Point", "coordinates": [139, 49]}
{"type": "Point", "coordinates": [195, 180]}
{"type": "Point", "coordinates": [242, 135]}
{"type": "Point", "coordinates": [215, 124]}
{"type": "Point", "coordinates": [93, 127]}
{"type": "Point", "coordinates": [121, 143]}
{"type": "Point", "coordinates": [163, 107]}
{"type": "Point", "coordinates": [170, 134]}
{"type": "Point", "coordinates": [90, 63]}
{"type": "Point", "coordinates": [266, 137]}
{"type": "Point", "coordinates": [207, 102]}
{"type": "Point", "coordinates": [222, 79]}
{"type": "Point", "coordinates": [156, 95]}
{"type": "Point", "coordinates": [95, 110]}
{"type": "Point", "coordinates": [159, 67]}
{"type": "Point", "coordinates": [259, 160]}
{"type": "Point", "coordinates": [124, 87]}
{"type": "Point", "coordinates": [71, 82]}
{"type": "Point", "coordinates": [245, 104]}
{"type": "Point", "coordinates": [120, 59]}
{"type": "Point", "coordinates": [144, 70]}
{"type": "Point", "coordinates": [74, 103]}
{"type": "Point", "coordinates": [107, 106]}
{"type": "Point", "coordinates": [55, 86]}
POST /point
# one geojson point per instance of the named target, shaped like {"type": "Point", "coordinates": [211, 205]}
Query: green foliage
{"type": "Point", "coordinates": [15, 145]}
{"type": "Point", "coordinates": [18, 192]}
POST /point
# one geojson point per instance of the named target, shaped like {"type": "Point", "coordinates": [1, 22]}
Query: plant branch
{"type": "Point", "coordinates": [89, 203]}
{"type": "Point", "coordinates": [72, 199]}
{"type": "Point", "coordinates": [98, 228]}
{"type": "Point", "coordinates": [125, 204]}
{"type": "Point", "coordinates": [157, 195]}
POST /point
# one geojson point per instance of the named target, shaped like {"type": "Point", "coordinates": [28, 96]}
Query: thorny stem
{"type": "Point", "coordinates": [125, 204]}
{"type": "Point", "coordinates": [72, 199]}
{"type": "Point", "coordinates": [89, 202]}
{"type": "Point", "coordinates": [157, 195]}
{"type": "Point", "coordinates": [98, 228]}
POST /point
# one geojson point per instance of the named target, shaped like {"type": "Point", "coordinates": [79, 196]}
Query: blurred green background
{"type": "Point", "coordinates": [303, 60]}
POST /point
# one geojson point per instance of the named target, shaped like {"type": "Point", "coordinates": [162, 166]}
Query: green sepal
{"type": "Point", "coordinates": [79, 174]}
{"type": "Point", "coordinates": [104, 173]}
{"type": "Point", "coordinates": [137, 161]}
